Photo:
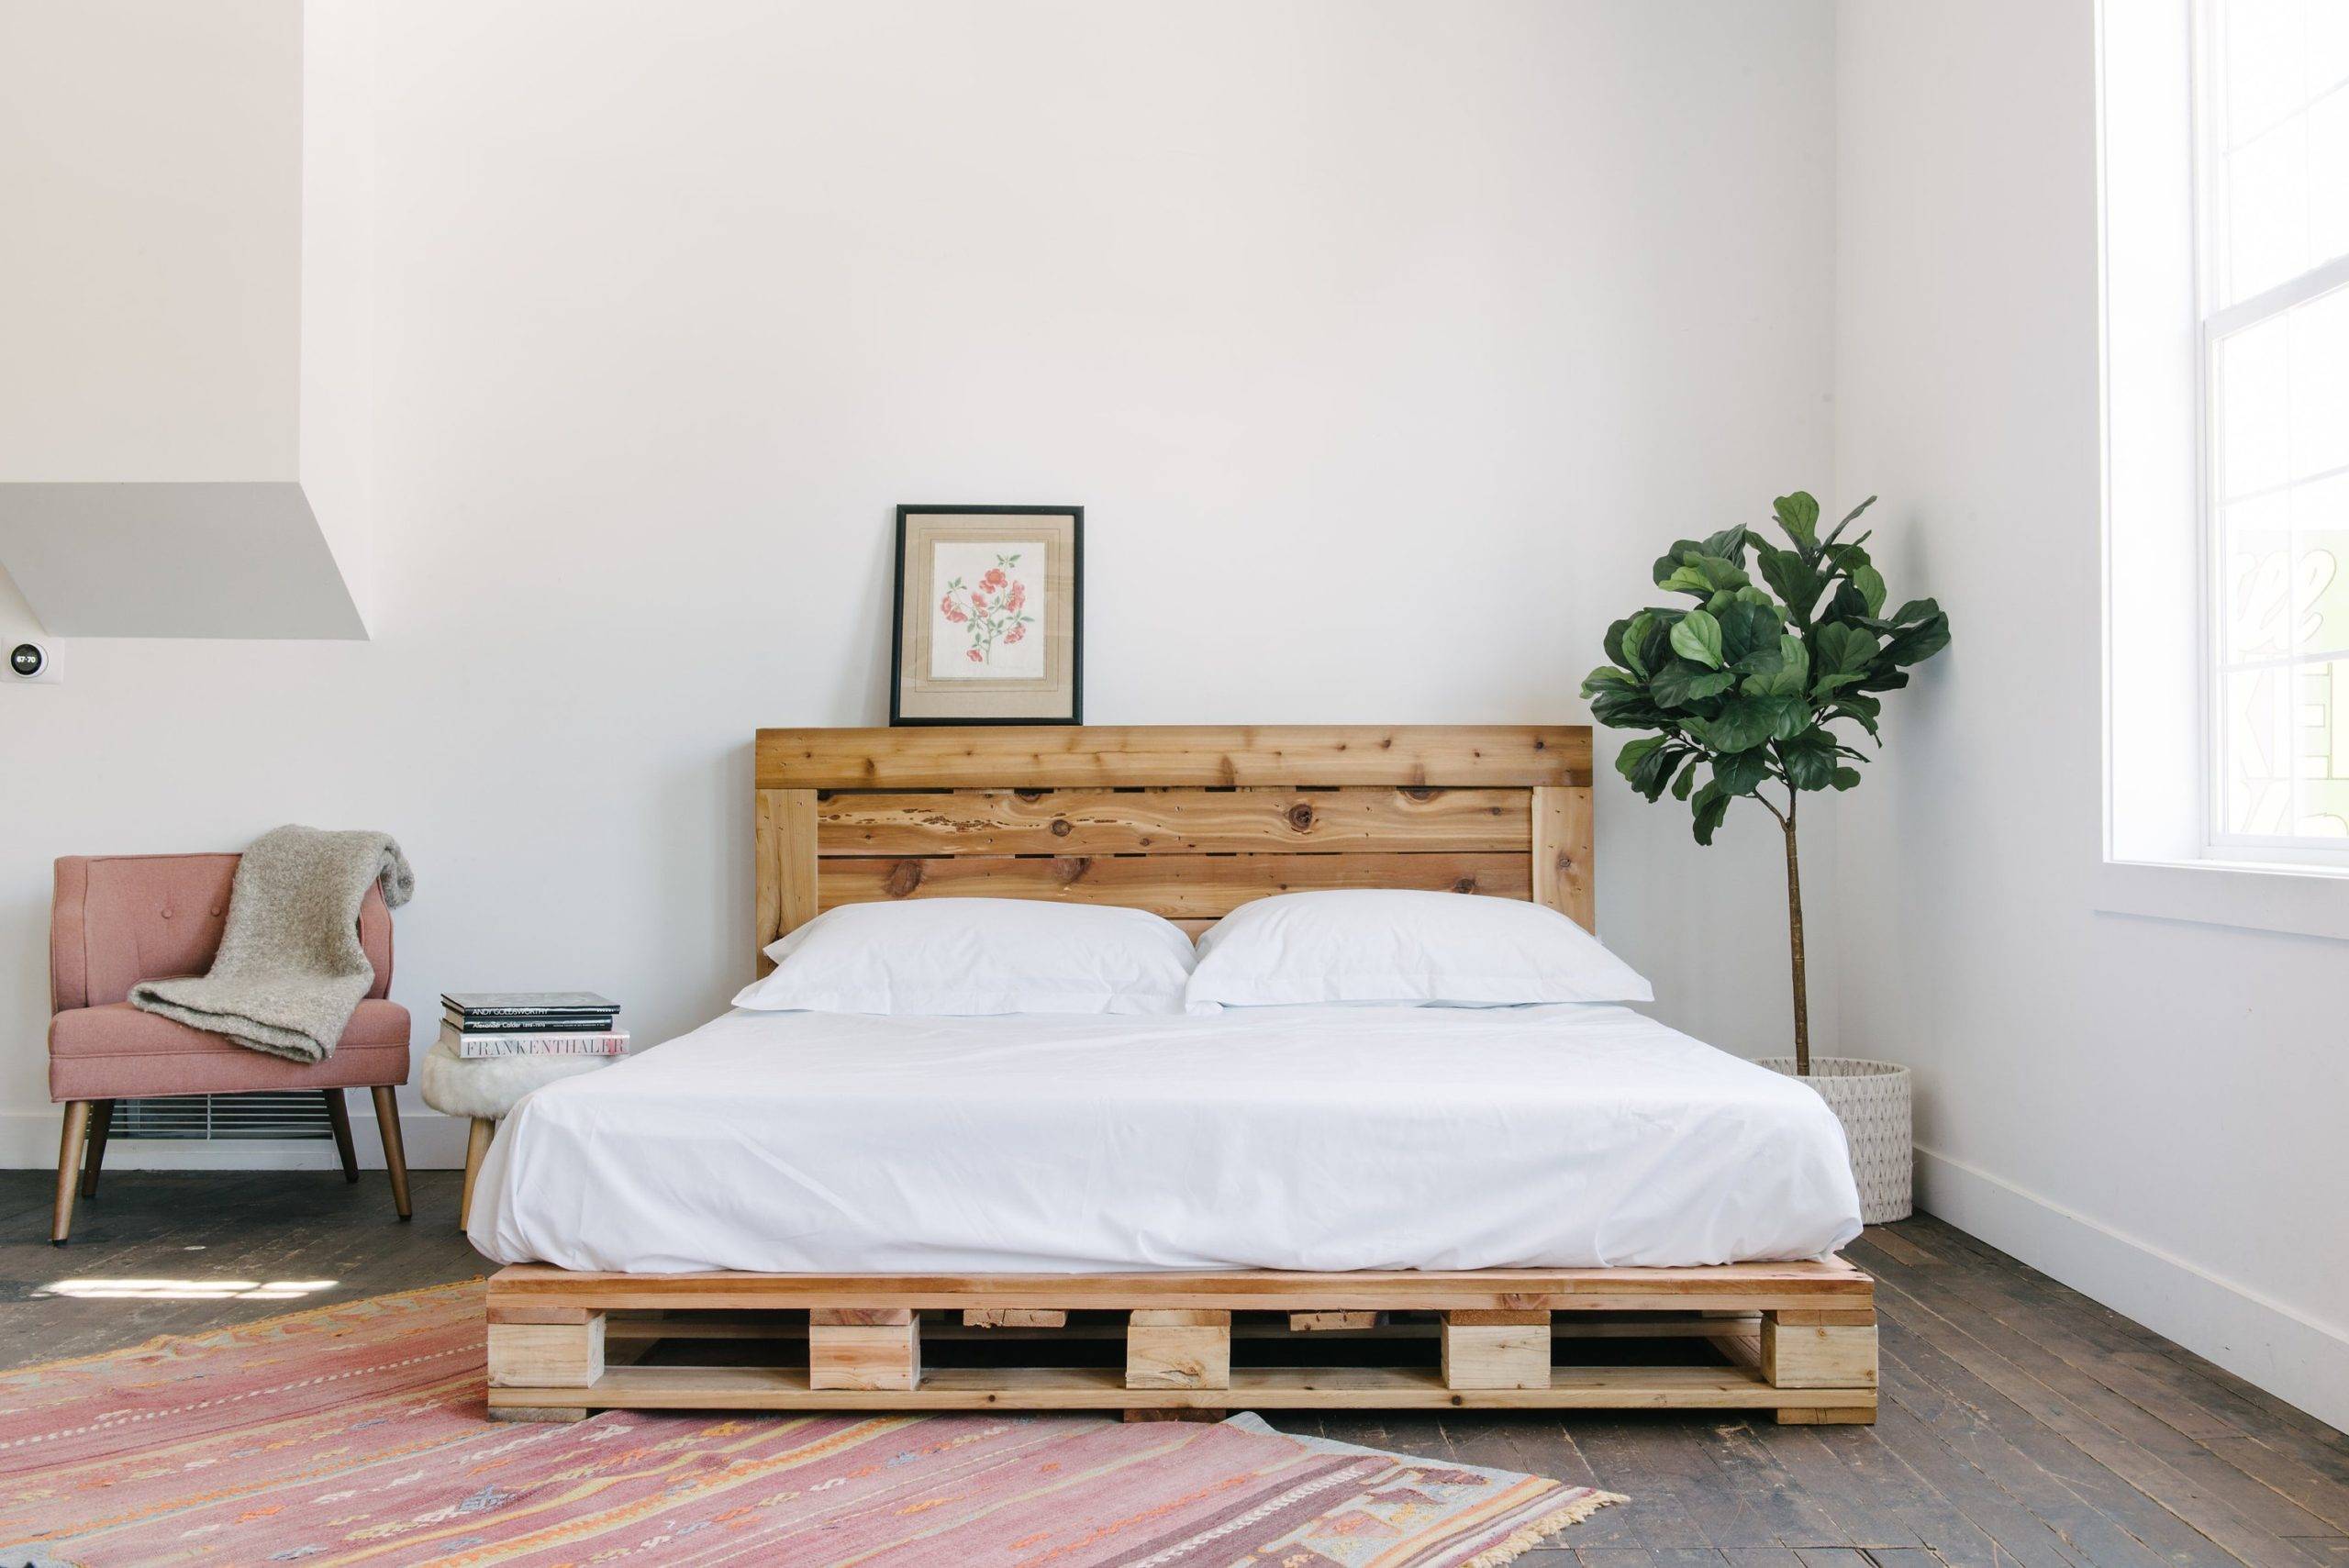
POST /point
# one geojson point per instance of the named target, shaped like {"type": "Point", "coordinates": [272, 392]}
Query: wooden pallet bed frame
{"type": "Point", "coordinates": [1189, 822]}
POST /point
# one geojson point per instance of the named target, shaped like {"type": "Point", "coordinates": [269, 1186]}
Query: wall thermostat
{"type": "Point", "coordinates": [30, 660]}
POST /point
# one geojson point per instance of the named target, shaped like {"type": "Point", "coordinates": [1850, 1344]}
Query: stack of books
{"type": "Point", "coordinates": [530, 1023]}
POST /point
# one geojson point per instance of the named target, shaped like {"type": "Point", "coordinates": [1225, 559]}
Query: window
{"type": "Point", "coordinates": [2272, 266]}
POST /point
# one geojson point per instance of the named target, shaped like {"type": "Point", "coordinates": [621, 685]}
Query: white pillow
{"type": "Point", "coordinates": [1429, 949]}
{"type": "Point", "coordinates": [977, 955]}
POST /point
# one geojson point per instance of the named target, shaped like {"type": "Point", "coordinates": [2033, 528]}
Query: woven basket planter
{"type": "Point", "coordinates": [1871, 1099]}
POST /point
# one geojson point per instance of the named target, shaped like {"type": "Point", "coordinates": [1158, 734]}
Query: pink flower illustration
{"type": "Point", "coordinates": [996, 610]}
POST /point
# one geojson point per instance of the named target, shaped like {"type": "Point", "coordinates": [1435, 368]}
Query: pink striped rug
{"type": "Point", "coordinates": [354, 1433]}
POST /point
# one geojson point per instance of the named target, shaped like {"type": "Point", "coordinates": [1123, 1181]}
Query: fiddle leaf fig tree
{"type": "Point", "coordinates": [1742, 682]}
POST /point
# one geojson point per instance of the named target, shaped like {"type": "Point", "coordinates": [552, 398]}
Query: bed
{"type": "Point", "coordinates": [1503, 1181]}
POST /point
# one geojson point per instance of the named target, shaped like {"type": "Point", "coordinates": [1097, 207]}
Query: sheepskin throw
{"type": "Point", "coordinates": [487, 1088]}
{"type": "Point", "coordinates": [290, 970]}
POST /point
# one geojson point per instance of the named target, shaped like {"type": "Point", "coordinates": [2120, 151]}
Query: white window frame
{"type": "Point", "coordinates": [2217, 323]}
{"type": "Point", "coordinates": [2160, 855]}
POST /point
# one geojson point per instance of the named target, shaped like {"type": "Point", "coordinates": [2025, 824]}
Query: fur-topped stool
{"type": "Point", "coordinates": [485, 1090]}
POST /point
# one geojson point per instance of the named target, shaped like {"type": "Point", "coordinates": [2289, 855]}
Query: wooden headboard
{"type": "Point", "coordinates": [1188, 821]}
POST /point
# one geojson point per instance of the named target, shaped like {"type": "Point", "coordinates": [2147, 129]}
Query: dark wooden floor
{"type": "Point", "coordinates": [2022, 1423]}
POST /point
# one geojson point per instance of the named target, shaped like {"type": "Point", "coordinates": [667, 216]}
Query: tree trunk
{"type": "Point", "coordinates": [1794, 938]}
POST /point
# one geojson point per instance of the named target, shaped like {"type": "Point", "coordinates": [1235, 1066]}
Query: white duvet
{"type": "Point", "coordinates": [1577, 1135]}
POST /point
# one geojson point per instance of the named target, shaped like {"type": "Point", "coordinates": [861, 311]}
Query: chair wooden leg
{"type": "Point", "coordinates": [387, 1118]}
{"type": "Point", "coordinates": [339, 1114]}
{"type": "Point", "coordinates": [101, 1124]}
{"type": "Point", "coordinates": [69, 1169]}
{"type": "Point", "coordinates": [476, 1145]}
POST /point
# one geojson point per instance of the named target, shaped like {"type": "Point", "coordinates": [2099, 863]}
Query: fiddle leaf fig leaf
{"type": "Point", "coordinates": [1808, 759]}
{"type": "Point", "coordinates": [1743, 722]}
{"type": "Point", "coordinates": [1798, 515]}
{"type": "Point", "coordinates": [1793, 578]}
{"type": "Point", "coordinates": [1680, 683]}
{"type": "Point", "coordinates": [1741, 773]}
{"type": "Point", "coordinates": [1635, 644]}
{"type": "Point", "coordinates": [1687, 776]}
{"type": "Point", "coordinates": [1870, 583]}
{"type": "Point", "coordinates": [1728, 544]}
{"type": "Point", "coordinates": [1850, 518]}
{"type": "Point", "coordinates": [1912, 644]}
{"type": "Point", "coordinates": [1712, 805]}
{"type": "Point", "coordinates": [1698, 636]}
{"type": "Point", "coordinates": [1777, 672]}
{"type": "Point", "coordinates": [1635, 753]}
{"type": "Point", "coordinates": [1746, 625]}
{"type": "Point", "coordinates": [1846, 650]}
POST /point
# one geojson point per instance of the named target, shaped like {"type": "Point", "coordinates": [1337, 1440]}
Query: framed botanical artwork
{"type": "Point", "coordinates": [990, 615]}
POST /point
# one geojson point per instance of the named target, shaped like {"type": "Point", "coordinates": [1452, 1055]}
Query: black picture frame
{"type": "Point", "coordinates": [898, 718]}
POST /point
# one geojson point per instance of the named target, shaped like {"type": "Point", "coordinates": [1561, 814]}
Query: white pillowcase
{"type": "Point", "coordinates": [977, 955]}
{"type": "Point", "coordinates": [1424, 949]}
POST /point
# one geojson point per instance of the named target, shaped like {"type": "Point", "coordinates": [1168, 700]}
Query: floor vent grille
{"type": "Point", "coordinates": [269, 1113]}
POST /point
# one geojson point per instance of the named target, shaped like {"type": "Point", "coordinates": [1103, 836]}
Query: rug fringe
{"type": "Point", "coordinates": [1523, 1540]}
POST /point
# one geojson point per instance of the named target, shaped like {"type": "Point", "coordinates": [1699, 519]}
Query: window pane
{"type": "Point", "coordinates": [2329, 173]}
{"type": "Point", "coordinates": [2280, 130]}
{"type": "Point", "coordinates": [2256, 769]}
{"type": "Point", "coordinates": [2262, 43]}
{"type": "Point", "coordinates": [2267, 209]}
{"type": "Point", "coordinates": [2321, 748]}
{"type": "Point", "coordinates": [2328, 46]}
{"type": "Point", "coordinates": [2287, 766]}
{"type": "Point", "coordinates": [2253, 414]}
{"type": "Point", "coordinates": [2320, 547]}
{"type": "Point", "coordinates": [2256, 579]}
{"type": "Point", "coordinates": [2320, 350]}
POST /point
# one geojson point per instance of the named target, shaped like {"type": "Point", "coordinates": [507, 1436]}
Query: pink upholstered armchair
{"type": "Point", "coordinates": [119, 919]}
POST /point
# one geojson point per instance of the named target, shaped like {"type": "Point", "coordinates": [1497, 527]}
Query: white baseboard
{"type": "Point", "coordinates": [2260, 1339]}
{"type": "Point", "coordinates": [432, 1142]}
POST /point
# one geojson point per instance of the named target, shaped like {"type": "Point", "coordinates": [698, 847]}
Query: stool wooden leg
{"type": "Point", "coordinates": [101, 1124]}
{"type": "Point", "coordinates": [387, 1119]}
{"type": "Point", "coordinates": [476, 1145]}
{"type": "Point", "coordinates": [339, 1113]}
{"type": "Point", "coordinates": [69, 1168]}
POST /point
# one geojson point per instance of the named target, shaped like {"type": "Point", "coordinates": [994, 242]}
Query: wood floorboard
{"type": "Point", "coordinates": [2198, 1400]}
{"type": "Point", "coordinates": [2237, 1511]}
{"type": "Point", "coordinates": [2022, 1423]}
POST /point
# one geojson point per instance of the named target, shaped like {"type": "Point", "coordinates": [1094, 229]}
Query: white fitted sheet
{"type": "Point", "coordinates": [1325, 1137]}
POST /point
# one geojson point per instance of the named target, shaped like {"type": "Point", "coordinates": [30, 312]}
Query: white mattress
{"type": "Point", "coordinates": [1280, 1138]}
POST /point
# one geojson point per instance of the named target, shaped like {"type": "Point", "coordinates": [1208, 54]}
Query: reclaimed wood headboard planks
{"type": "Point", "coordinates": [1188, 821]}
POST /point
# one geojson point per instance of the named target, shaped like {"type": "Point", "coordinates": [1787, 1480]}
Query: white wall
{"type": "Point", "coordinates": [1385, 344]}
{"type": "Point", "coordinates": [151, 276]}
{"type": "Point", "coordinates": [2148, 1109]}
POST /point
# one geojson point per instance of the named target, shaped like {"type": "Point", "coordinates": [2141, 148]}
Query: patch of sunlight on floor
{"type": "Point", "coordinates": [187, 1289]}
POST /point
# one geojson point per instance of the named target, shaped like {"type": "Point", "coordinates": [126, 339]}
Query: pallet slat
{"type": "Point", "coordinates": [1166, 821]}
{"type": "Point", "coordinates": [1176, 885]}
{"type": "Point", "coordinates": [1741, 1287]}
{"type": "Point", "coordinates": [1104, 1388]}
{"type": "Point", "coordinates": [1062, 757]}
